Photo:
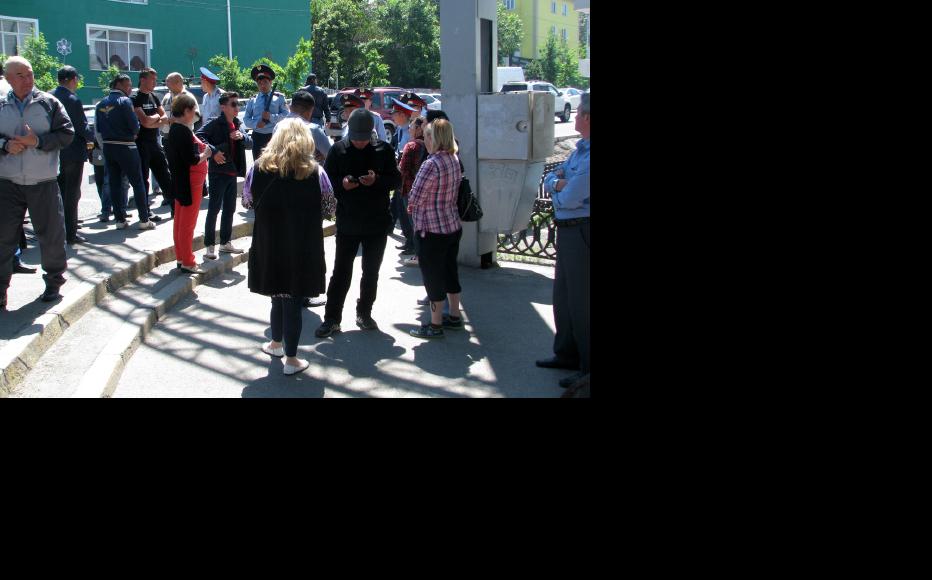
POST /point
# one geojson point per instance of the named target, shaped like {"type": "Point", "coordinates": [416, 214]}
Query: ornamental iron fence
{"type": "Point", "coordinates": [539, 238]}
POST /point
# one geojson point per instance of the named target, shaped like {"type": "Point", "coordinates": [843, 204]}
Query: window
{"type": "Point", "coordinates": [564, 35]}
{"type": "Point", "coordinates": [126, 48]}
{"type": "Point", "coordinates": [510, 4]}
{"type": "Point", "coordinates": [553, 29]}
{"type": "Point", "coordinates": [553, 7]}
{"type": "Point", "coordinates": [13, 34]}
{"type": "Point", "coordinates": [564, 10]}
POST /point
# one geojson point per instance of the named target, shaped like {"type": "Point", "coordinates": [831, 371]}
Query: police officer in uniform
{"type": "Point", "coordinates": [264, 110]}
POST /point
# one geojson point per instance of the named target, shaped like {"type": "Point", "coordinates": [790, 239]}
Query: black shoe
{"type": "Point", "coordinates": [50, 295]}
{"type": "Point", "coordinates": [452, 323]}
{"type": "Point", "coordinates": [103, 218]}
{"type": "Point", "coordinates": [427, 331]}
{"type": "Point", "coordinates": [155, 218]}
{"type": "Point", "coordinates": [18, 268]}
{"type": "Point", "coordinates": [366, 323]}
{"type": "Point", "coordinates": [315, 301]}
{"type": "Point", "coordinates": [3, 301]}
{"type": "Point", "coordinates": [407, 252]}
{"type": "Point", "coordinates": [401, 247]}
{"type": "Point", "coordinates": [327, 328]}
{"type": "Point", "coordinates": [571, 380]}
{"type": "Point", "coordinates": [555, 363]}
{"type": "Point", "coordinates": [77, 239]}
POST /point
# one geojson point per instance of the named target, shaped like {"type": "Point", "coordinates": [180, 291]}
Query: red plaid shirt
{"type": "Point", "coordinates": [432, 200]}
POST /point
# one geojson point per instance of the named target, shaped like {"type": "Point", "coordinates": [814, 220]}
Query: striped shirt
{"type": "Point", "coordinates": [432, 200]}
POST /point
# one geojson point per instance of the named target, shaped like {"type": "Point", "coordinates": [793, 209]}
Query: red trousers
{"type": "Point", "coordinates": [186, 219]}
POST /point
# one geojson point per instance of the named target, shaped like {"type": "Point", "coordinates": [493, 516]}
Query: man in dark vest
{"type": "Point", "coordinates": [71, 159]}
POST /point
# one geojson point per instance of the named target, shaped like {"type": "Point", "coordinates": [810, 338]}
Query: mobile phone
{"type": "Point", "coordinates": [352, 179]}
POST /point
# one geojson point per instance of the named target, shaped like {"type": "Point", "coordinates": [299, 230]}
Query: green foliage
{"type": "Point", "coordinates": [279, 75]}
{"type": "Point", "coordinates": [232, 77]}
{"type": "Point", "coordinates": [510, 33]}
{"type": "Point", "coordinates": [550, 60]}
{"type": "Point", "coordinates": [533, 71]}
{"type": "Point", "coordinates": [106, 77]}
{"type": "Point", "coordinates": [377, 72]}
{"type": "Point", "coordinates": [299, 65]}
{"type": "Point", "coordinates": [44, 65]}
{"type": "Point", "coordinates": [568, 73]}
{"type": "Point", "coordinates": [409, 31]}
{"type": "Point", "coordinates": [340, 28]}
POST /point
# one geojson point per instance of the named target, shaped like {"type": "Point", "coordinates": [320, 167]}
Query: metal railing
{"type": "Point", "coordinates": [539, 238]}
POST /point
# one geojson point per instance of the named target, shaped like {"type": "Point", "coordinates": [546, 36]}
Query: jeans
{"type": "Point", "coordinates": [222, 194]}
{"type": "Point", "coordinates": [69, 184]}
{"type": "Point", "coordinates": [407, 228]}
{"type": "Point", "coordinates": [124, 160]}
{"type": "Point", "coordinates": [286, 323]}
{"type": "Point", "coordinates": [373, 249]}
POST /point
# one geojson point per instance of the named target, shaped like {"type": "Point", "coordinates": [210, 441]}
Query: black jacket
{"type": "Point", "coordinates": [77, 151]}
{"type": "Point", "coordinates": [322, 106]}
{"type": "Point", "coordinates": [287, 253]}
{"type": "Point", "coordinates": [364, 210]}
{"type": "Point", "coordinates": [217, 136]}
{"type": "Point", "coordinates": [182, 153]}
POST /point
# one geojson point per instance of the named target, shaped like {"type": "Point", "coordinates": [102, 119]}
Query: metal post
{"type": "Point", "coordinates": [229, 31]}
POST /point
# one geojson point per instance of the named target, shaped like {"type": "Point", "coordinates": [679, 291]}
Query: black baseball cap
{"type": "Point", "coordinates": [67, 72]}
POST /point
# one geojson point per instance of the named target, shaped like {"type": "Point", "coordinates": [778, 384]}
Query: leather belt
{"type": "Point", "coordinates": [571, 222]}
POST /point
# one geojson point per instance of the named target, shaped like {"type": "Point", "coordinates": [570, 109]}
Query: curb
{"type": "Point", "coordinates": [21, 354]}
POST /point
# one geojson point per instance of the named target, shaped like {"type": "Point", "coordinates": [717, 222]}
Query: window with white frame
{"type": "Point", "coordinates": [564, 35]}
{"type": "Point", "coordinates": [510, 4]}
{"type": "Point", "coordinates": [126, 48]}
{"type": "Point", "coordinates": [564, 10]}
{"type": "Point", "coordinates": [14, 32]}
{"type": "Point", "coordinates": [553, 29]}
{"type": "Point", "coordinates": [553, 7]}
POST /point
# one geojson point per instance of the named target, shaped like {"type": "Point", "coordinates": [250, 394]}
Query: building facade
{"type": "Point", "coordinates": [168, 35]}
{"type": "Point", "coordinates": [540, 18]}
{"type": "Point", "coordinates": [583, 6]}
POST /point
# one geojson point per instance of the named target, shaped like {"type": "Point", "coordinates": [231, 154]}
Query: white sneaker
{"type": "Point", "coordinates": [267, 349]}
{"type": "Point", "coordinates": [149, 225]}
{"type": "Point", "coordinates": [290, 370]}
{"type": "Point", "coordinates": [211, 253]}
{"type": "Point", "coordinates": [122, 225]}
{"type": "Point", "coordinates": [411, 262]}
{"type": "Point", "coordinates": [229, 249]}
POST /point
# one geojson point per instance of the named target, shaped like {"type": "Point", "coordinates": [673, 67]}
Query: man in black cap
{"type": "Point", "coordinates": [264, 110]}
{"type": "Point", "coordinates": [362, 172]}
{"type": "Point", "coordinates": [321, 113]}
{"type": "Point", "coordinates": [71, 159]}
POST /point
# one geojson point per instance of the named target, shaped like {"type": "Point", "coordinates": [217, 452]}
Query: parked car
{"type": "Point", "coordinates": [562, 107]}
{"type": "Point", "coordinates": [433, 102]}
{"type": "Point", "coordinates": [381, 104]}
{"type": "Point", "coordinates": [573, 96]}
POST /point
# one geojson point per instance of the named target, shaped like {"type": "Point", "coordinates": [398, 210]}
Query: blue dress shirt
{"type": "Point", "coordinates": [573, 200]}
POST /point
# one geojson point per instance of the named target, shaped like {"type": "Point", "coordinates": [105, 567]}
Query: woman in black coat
{"type": "Point", "coordinates": [290, 194]}
{"type": "Point", "coordinates": [187, 162]}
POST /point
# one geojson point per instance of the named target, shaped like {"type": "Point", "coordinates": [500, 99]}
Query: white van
{"type": "Point", "coordinates": [508, 74]}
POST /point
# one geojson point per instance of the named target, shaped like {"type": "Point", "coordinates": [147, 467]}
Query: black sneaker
{"type": "Point", "coordinates": [427, 331]}
{"type": "Point", "coordinates": [50, 295]}
{"type": "Point", "coordinates": [3, 301]}
{"type": "Point", "coordinates": [452, 323]}
{"type": "Point", "coordinates": [366, 323]}
{"type": "Point", "coordinates": [154, 218]}
{"type": "Point", "coordinates": [327, 328]}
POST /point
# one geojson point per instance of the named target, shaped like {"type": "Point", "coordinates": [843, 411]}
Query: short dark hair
{"type": "Point", "coordinates": [146, 73]}
{"type": "Point", "coordinates": [434, 115]}
{"type": "Point", "coordinates": [311, 78]}
{"type": "Point", "coordinates": [225, 97]}
{"type": "Point", "coordinates": [302, 101]}
{"type": "Point", "coordinates": [182, 103]}
{"type": "Point", "coordinates": [66, 73]}
{"type": "Point", "coordinates": [119, 79]}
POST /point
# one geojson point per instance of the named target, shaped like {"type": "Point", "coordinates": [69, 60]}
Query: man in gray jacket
{"type": "Point", "coordinates": [34, 127]}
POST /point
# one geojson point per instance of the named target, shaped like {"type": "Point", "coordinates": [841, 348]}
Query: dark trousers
{"type": "Point", "coordinates": [407, 228]}
{"type": "Point", "coordinates": [48, 218]}
{"type": "Point", "coordinates": [152, 159]}
{"type": "Point", "coordinates": [259, 141]}
{"type": "Point", "coordinates": [373, 249]}
{"type": "Point", "coordinates": [124, 160]}
{"type": "Point", "coordinates": [437, 258]}
{"type": "Point", "coordinates": [69, 184]}
{"type": "Point", "coordinates": [285, 320]}
{"type": "Point", "coordinates": [571, 295]}
{"type": "Point", "coordinates": [222, 195]}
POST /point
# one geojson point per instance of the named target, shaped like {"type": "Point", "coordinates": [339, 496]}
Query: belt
{"type": "Point", "coordinates": [571, 222]}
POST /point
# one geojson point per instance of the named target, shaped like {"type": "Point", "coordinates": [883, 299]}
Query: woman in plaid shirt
{"type": "Point", "coordinates": [436, 221]}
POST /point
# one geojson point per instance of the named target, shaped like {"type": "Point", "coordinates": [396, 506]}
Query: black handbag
{"type": "Point", "coordinates": [467, 203]}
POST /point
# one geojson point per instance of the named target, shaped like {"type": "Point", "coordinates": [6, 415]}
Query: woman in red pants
{"type": "Point", "coordinates": [187, 161]}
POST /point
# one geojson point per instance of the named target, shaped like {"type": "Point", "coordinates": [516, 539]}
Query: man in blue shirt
{"type": "Point", "coordinates": [264, 110]}
{"type": "Point", "coordinates": [569, 189]}
{"type": "Point", "coordinates": [71, 159]}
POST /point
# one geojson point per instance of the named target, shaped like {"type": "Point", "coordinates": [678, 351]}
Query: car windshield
{"type": "Point", "coordinates": [390, 98]}
{"type": "Point", "coordinates": [427, 98]}
{"type": "Point", "coordinates": [514, 87]}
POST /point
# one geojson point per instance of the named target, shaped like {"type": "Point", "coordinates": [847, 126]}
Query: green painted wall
{"type": "Point", "coordinates": [260, 28]}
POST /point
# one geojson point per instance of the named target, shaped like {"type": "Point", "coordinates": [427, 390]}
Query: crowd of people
{"type": "Point", "coordinates": [298, 179]}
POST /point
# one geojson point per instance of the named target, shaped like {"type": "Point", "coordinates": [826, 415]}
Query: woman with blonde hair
{"type": "Point", "coordinates": [436, 223]}
{"type": "Point", "coordinates": [290, 193]}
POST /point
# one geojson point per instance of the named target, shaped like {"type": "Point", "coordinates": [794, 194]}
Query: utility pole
{"type": "Point", "coordinates": [229, 31]}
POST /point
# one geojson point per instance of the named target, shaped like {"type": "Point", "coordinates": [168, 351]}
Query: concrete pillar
{"type": "Point", "coordinates": [461, 77]}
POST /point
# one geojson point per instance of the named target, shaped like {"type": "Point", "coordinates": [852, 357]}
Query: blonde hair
{"type": "Point", "coordinates": [290, 153]}
{"type": "Point", "coordinates": [442, 137]}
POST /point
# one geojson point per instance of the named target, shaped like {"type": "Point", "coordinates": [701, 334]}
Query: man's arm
{"type": "Point", "coordinates": [574, 193]}
{"type": "Point", "coordinates": [332, 167]}
{"type": "Point", "coordinates": [61, 133]}
{"type": "Point", "coordinates": [248, 118]}
{"type": "Point", "coordinates": [325, 107]}
{"type": "Point", "coordinates": [283, 111]}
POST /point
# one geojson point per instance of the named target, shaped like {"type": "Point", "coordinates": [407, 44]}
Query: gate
{"type": "Point", "coordinates": [539, 238]}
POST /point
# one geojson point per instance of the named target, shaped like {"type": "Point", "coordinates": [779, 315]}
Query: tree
{"type": "Point", "coordinates": [568, 74]}
{"type": "Point", "coordinates": [409, 31]}
{"type": "Point", "coordinates": [510, 33]}
{"type": "Point", "coordinates": [341, 27]}
{"type": "Point", "coordinates": [549, 59]}
{"type": "Point", "coordinates": [232, 77]}
{"type": "Point", "coordinates": [44, 65]}
{"type": "Point", "coordinates": [299, 65]}
{"type": "Point", "coordinates": [106, 77]}
{"type": "Point", "coordinates": [583, 34]}
{"type": "Point", "coordinates": [377, 72]}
